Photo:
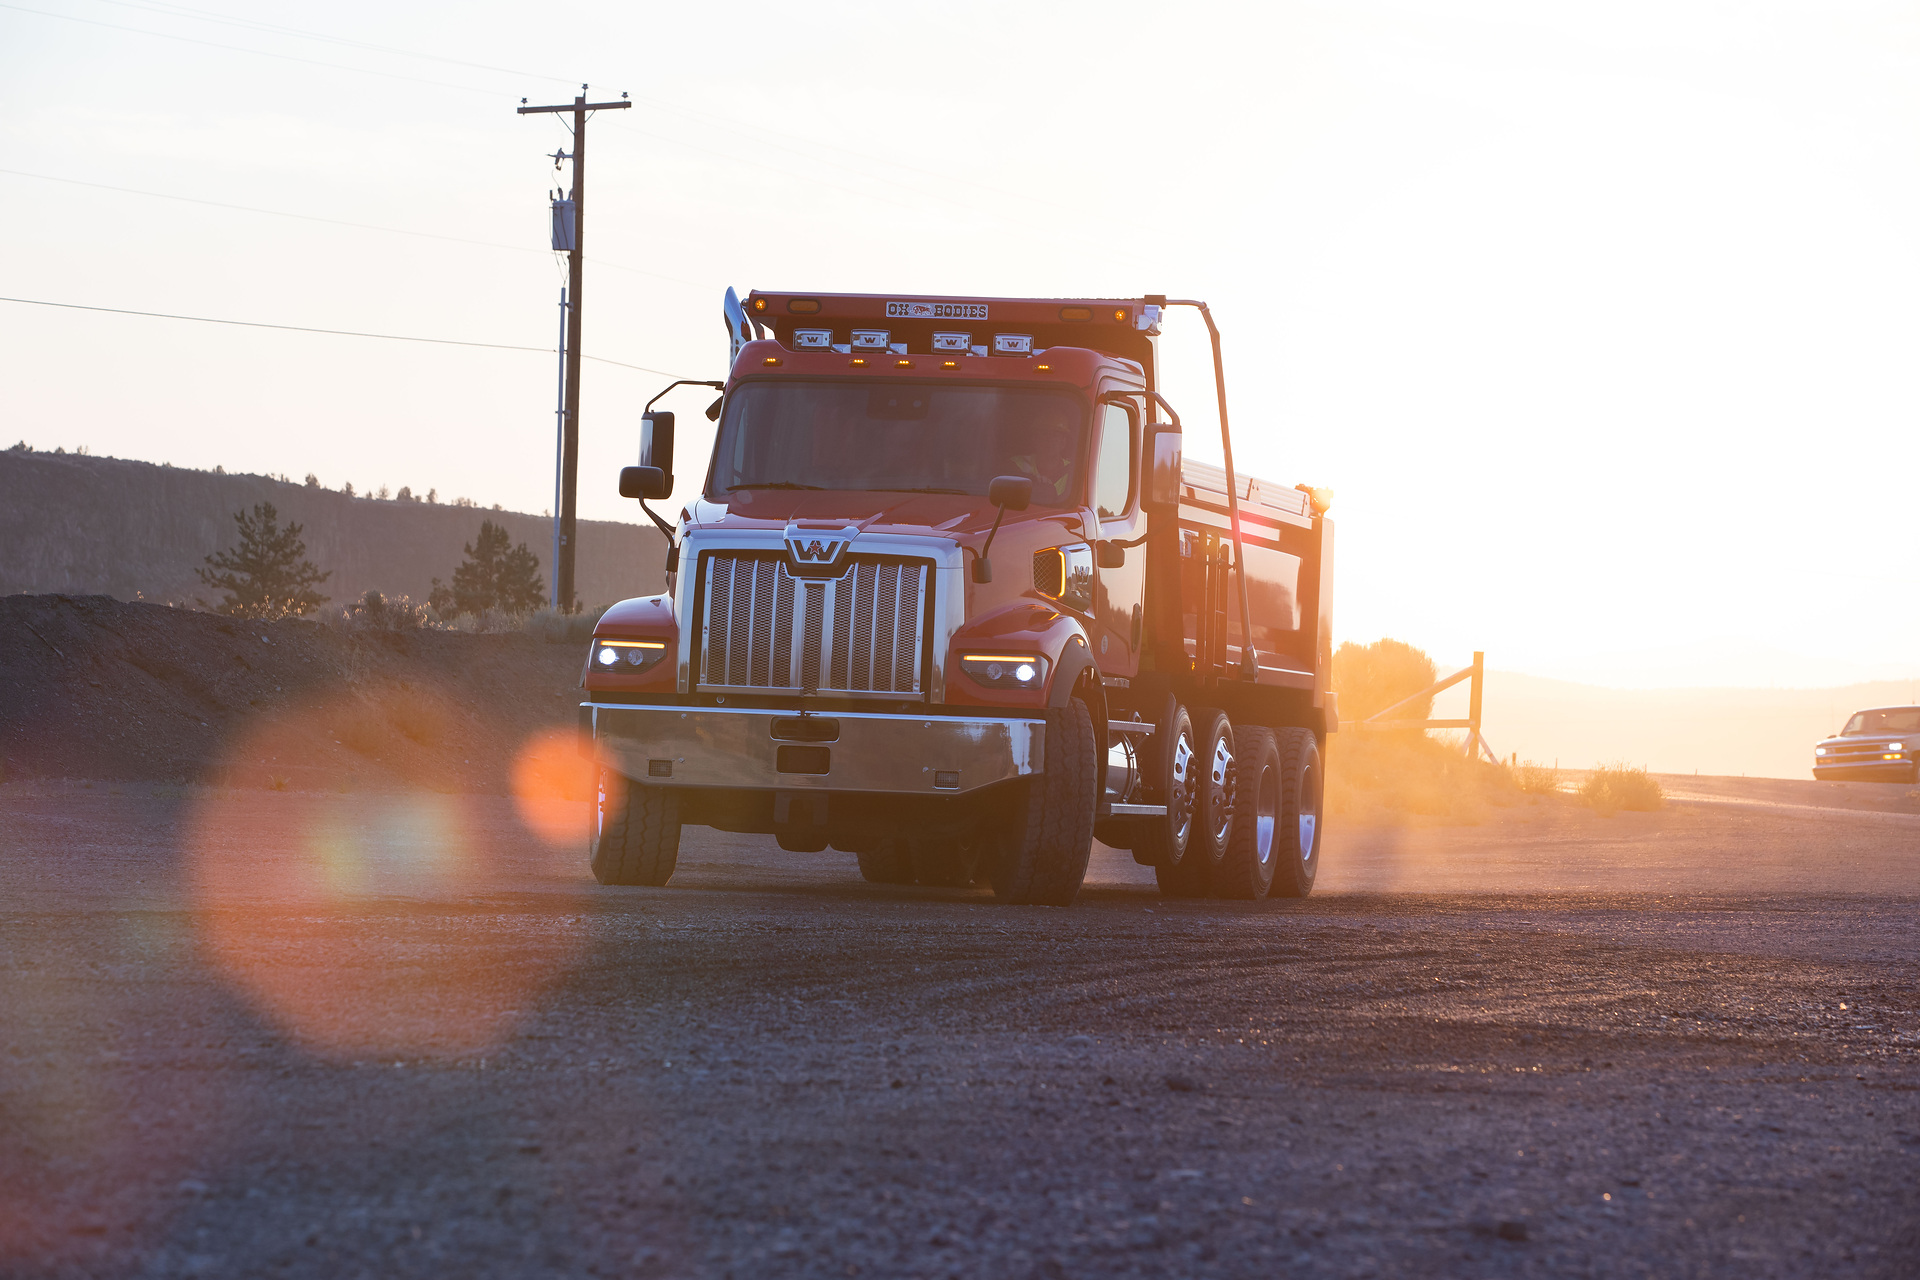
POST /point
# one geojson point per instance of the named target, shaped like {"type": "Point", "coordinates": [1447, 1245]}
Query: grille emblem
{"type": "Point", "coordinates": [817, 554]}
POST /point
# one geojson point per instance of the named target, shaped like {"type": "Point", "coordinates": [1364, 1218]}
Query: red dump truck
{"type": "Point", "coordinates": [950, 601]}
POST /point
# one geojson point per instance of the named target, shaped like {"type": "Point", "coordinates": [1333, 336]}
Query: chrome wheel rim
{"type": "Point", "coordinates": [1221, 775]}
{"type": "Point", "coordinates": [1180, 802]}
{"type": "Point", "coordinates": [1266, 815]}
{"type": "Point", "coordinates": [1309, 816]}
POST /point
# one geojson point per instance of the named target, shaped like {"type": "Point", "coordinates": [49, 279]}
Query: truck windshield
{"type": "Point", "coordinates": [1892, 720]}
{"type": "Point", "coordinates": [899, 437]}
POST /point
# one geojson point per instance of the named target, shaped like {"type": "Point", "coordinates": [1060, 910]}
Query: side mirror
{"type": "Point", "coordinates": [713, 410]}
{"type": "Point", "coordinates": [644, 483]}
{"type": "Point", "coordinates": [1011, 492]}
{"type": "Point", "coordinates": [1163, 484]}
{"type": "Point", "coordinates": [656, 446]}
{"type": "Point", "coordinates": [1109, 555]}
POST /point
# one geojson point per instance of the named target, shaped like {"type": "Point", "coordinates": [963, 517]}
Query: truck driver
{"type": "Point", "coordinates": [1050, 462]}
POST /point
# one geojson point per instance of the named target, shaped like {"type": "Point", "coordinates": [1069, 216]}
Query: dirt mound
{"type": "Point", "coordinates": [99, 688]}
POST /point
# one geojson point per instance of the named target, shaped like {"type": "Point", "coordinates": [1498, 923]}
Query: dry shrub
{"type": "Point", "coordinates": [1385, 776]}
{"type": "Point", "coordinates": [1613, 787]}
{"type": "Point", "coordinates": [1372, 677]}
{"type": "Point", "coordinates": [563, 628]}
{"type": "Point", "coordinates": [418, 716]}
{"type": "Point", "coordinates": [377, 612]}
{"type": "Point", "coordinates": [1531, 778]}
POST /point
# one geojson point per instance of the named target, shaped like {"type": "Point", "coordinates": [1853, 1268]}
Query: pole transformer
{"type": "Point", "coordinates": [570, 415]}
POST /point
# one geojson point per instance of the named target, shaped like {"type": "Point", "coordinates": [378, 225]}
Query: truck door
{"type": "Point", "coordinates": [1120, 594]}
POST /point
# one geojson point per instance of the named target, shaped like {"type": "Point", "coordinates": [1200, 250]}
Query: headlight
{"type": "Point", "coordinates": [627, 656]}
{"type": "Point", "coordinates": [1006, 670]}
{"type": "Point", "coordinates": [1819, 751]}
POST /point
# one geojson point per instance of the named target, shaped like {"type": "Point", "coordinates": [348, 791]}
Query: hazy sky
{"type": "Point", "coordinates": [1600, 319]}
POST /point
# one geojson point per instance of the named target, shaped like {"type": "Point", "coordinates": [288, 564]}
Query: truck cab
{"type": "Point", "coordinates": [948, 600]}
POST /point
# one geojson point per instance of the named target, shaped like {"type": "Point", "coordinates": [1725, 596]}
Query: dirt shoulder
{"type": "Point", "coordinates": [99, 688]}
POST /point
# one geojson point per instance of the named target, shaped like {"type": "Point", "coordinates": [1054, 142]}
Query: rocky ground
{"type": "Point", "coordinates": [401, 1033]}
{"type": "Point", "coordinates": [301, 973]}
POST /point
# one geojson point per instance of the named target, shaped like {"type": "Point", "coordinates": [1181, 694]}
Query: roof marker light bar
{"type": "Point", "coordinates": [1013, 344]}
{"type": "Point", "coordinates": [952, 341]}
{"type": "Point", "coordinates": [812, 339]}
{"type": "Point", "coordinates": [870, 339]}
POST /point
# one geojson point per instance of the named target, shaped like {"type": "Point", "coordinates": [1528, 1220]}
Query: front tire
{"type": "Point", "coordinates": [639, 832]}
{"type": "Point", "coordinates": [1047, 835]}
{"type": "Point", "coordinates": [890, 862]}
{"type": "Point", "coordinates": [1296, 855]}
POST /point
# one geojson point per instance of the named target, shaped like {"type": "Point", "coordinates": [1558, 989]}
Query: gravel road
{"type": "Point", "coordinates": [309, 1034]}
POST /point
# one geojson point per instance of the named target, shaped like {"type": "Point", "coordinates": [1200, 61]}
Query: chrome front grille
{"type": "Point", "coordinates": [863, 632]}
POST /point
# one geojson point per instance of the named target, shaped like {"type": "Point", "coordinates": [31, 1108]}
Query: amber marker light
{"type": "Point", "coordinates": [771, 360]}
{"type": "Point", "coordinates": [857, 363]}
{"type": "Point", "coordinates": [1043, 368]}
{"type": "Point", "coordinates": [759, 304]}
{"type": "Point", "coordinates": [803, 306]}
{"type": "Point", "coordinates": [903, 364]}
{"type": "Point", "coordinates": [1076, 313]}
{"type": "Point", "coordinates": [949, 364]}
{"type": "Point", "coordinates": [1119, 315]}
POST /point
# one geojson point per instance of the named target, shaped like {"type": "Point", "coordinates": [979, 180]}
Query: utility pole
{"type": "Point", "coordinates": [570, 433]}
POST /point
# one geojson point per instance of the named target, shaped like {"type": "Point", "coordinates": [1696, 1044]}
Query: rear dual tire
{"type": "Point", "coordinates": [1296, 860]}
{"type": "Point", "coordinates": [1214, 784]}
{"type": "Point", "coordinates": [1257, 827]}
{"type": "Point", "coordinates": [942, 862]}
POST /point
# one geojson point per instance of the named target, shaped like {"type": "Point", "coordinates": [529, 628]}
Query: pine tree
{"type": "Point", "coordinates": [497, 575]}
{"type": "Point", "coordinates": [268, 575]}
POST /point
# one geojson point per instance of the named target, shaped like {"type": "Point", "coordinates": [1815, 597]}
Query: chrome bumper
{"type": "Point", "coordinates": [724, 747]}
{"type": "Point", "coordinates": [1888, 761]}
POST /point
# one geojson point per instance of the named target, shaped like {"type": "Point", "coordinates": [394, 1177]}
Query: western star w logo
{"type": "Point", "coordinates": [816, 554]}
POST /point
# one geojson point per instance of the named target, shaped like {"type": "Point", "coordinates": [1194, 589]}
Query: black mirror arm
{"type": "Point", "coordinates": [983, 567]}
{"type": "Point", "coordinates": [684, 382]}
{"type": "Point", "coordinates": [662, 525]}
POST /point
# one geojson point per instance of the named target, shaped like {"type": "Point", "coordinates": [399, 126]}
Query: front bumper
{"type": "Point", "coordinates": [762, 749]}
{"type": "Point", "coordinates": [1867, 766]}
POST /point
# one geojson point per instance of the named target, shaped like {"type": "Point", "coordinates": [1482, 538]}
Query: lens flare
{"type": "Point", "coordinates": [552, 785]}
{"type": "Point", "coordinates": [374, 923]}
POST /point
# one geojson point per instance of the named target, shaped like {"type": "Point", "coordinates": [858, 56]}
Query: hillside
{"type": "Point", "coordinates": [80, 525]}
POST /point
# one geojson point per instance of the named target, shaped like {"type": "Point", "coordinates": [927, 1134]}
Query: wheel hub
{"type": "Point", "coordinates": [1180, 801]}
{"type": "Point", "coordinates": [1221, 800]}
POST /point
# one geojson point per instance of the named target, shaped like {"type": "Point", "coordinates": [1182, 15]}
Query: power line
{"type": "Point", "coordinates": [338, 333]}
{"type": "Point", "coordinates": [235, 48]}
{"type": "Point", "coordinates": [336, 222]}
{"type": "Point", "coordinates": [766, 136]}
{"type": "Point", "coordinates": [247, 24]}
